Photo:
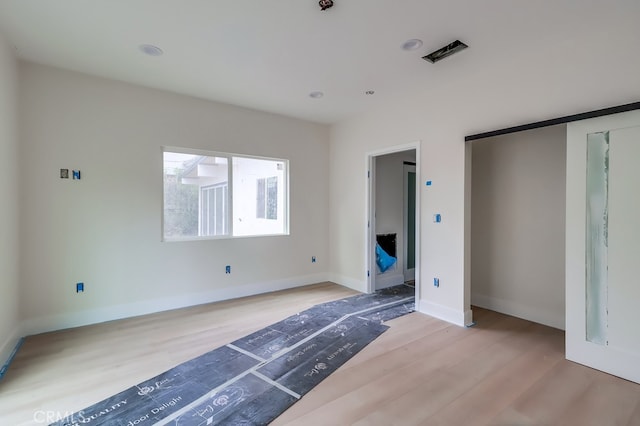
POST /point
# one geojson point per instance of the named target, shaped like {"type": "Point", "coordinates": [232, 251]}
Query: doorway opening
{"type": "Point", "coordinates": [517, 241]}
{"type": "Point", "coordinates": [393, 241]}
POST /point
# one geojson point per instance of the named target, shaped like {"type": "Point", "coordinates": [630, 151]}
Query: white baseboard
{"type": "Point", "coordinates": [110, 313]}
{"type": "Point", "coordinates": [389, 280]}
{"type": "Point", "coordinates": [445, 313]}
{"type": "Point", "coordinates": [529, 313]}
{"type": "Point", "coordinates": [351, 283]}
{"type": "Point", "coordinates": [7, 349]}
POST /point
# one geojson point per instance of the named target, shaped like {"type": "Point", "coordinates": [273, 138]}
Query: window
{"type": "Point", "coordinates": [218, 195]}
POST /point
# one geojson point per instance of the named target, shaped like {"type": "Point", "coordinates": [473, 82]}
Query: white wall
{"type": "Point", "coordinates": [104, 230]}
{"type": "Point", "coordinates": [9, 242]}
{"type": "Point", "coordinates": [518, 224]}
{"type": "Point", "coordinates": [390, 207]}
{"type": "Point", "coordinates": [441, 244]}
{"type": "Point", "coordinates": [463, 99]}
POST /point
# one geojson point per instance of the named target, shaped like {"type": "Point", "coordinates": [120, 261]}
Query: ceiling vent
{"type": "Point", "coordinates": [445, 51]}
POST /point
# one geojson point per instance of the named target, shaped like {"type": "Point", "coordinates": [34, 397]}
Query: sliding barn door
{"type": "Point", "coordinates": [603, 244]}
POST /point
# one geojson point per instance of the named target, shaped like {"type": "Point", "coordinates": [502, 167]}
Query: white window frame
{"type": "Point", "coordinates": [230, 216]}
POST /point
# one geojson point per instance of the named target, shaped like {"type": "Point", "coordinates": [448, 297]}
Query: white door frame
{"type": "Point", "coordinates": [406, 169]}
{"type": "Point", "coordinates": [370, 222]}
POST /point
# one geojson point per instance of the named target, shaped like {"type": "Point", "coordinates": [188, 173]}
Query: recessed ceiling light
{"type": "Point", "coordinates": [316, 95]}
{"type": "Point", "coordinates": [412, 44]}
{"type": "Point", "coordinates": [369, 92]}
{"type": "Point", "coordinates": [151, 50]}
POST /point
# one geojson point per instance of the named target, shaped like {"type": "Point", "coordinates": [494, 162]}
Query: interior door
{"type": "Point", "coordinates": [603, 243]}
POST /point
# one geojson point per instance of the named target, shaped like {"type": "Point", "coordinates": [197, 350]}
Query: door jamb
{"type": "Point", "coordinates": [370, 233]}
{"type": "Point", "coordinates": [406, 169]}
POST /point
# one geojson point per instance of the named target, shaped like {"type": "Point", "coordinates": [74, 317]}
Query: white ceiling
{"type": "Point", "coordinates": [270, 54]}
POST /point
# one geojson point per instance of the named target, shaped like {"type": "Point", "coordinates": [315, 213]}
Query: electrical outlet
{"type": "Point", "coordinates": [79, 287]}
{"type": "Point", "coordinates": [313, 259]}
{"type": "Point", "coordinates": [227, 269]}
{"type": "Point", "coordinates": [436, 282]}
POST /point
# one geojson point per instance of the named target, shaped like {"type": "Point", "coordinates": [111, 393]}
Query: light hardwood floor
{"type": "Point", "coordinates": [503, 371]}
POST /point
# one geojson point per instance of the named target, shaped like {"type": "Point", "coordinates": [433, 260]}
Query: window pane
{"type": "Point", "coordinates": [205, 203]}
{"type": "Point", "coordinates": [189, 203]}
{"type": "Point", "coordinates": [213, 213]}
{"type": "Point", "coordinates": [272, 198]}
{"type": "Point", "coordinates": [219, 220]}
{"type": "Point", "coordinates": [597, 237]}
{"type": "Point", "coordinates": [260, 199]}
{"type": "Point", "coordinates": [258, 196]}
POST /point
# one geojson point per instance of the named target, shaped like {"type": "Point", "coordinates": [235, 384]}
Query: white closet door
{"type": "Point", "coordinates": [603, 244]}
{"type": "Point", "coordinates": [624, 241]}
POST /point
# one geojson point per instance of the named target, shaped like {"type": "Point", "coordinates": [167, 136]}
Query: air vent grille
{"type": "Point", "coordinates": [445, 51]}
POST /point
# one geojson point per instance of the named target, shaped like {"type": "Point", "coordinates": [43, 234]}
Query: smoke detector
{"type": "Point", "coordinates": [445, 51]}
